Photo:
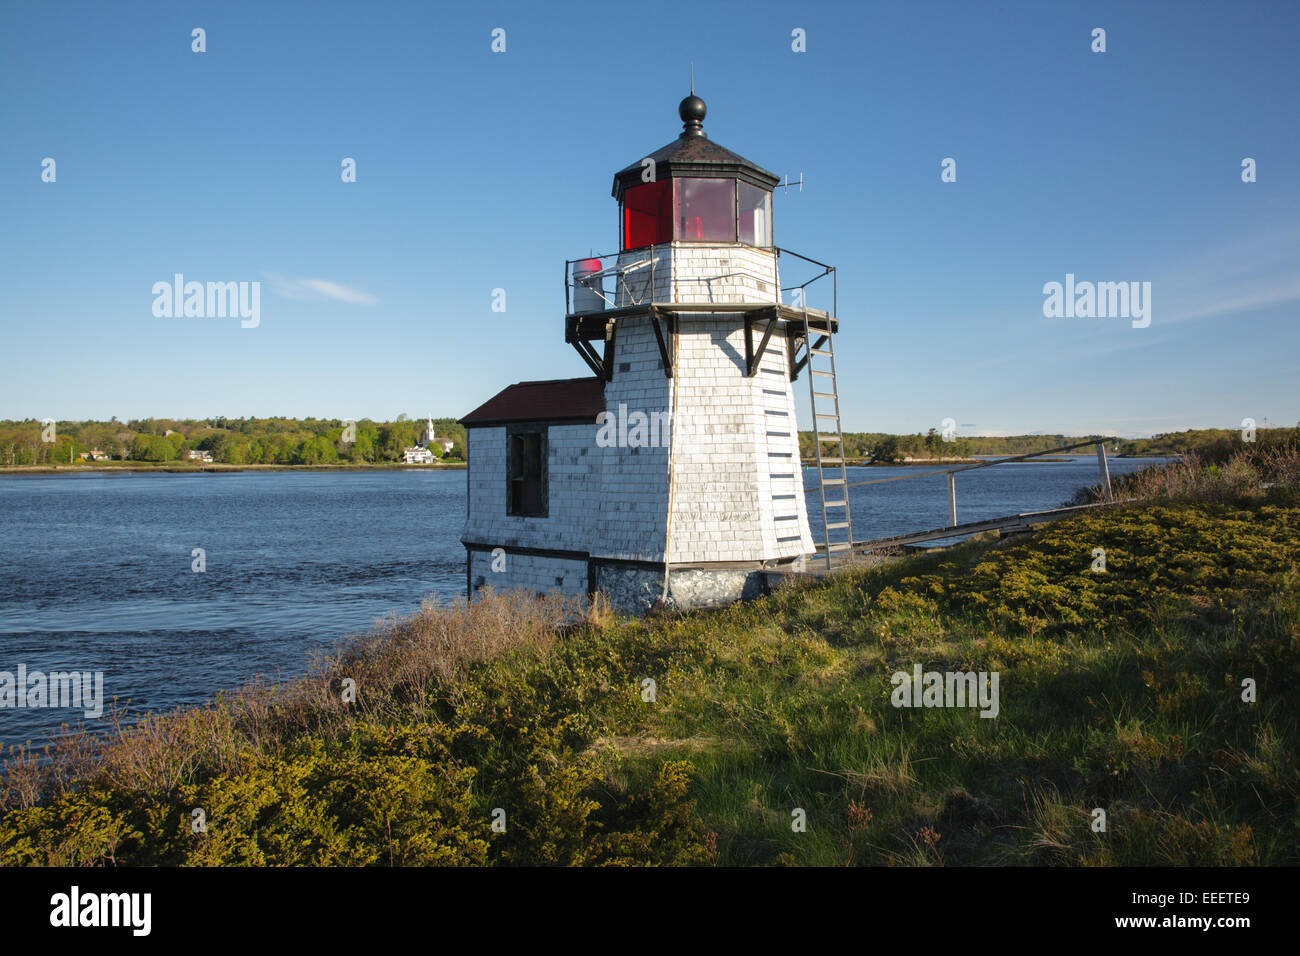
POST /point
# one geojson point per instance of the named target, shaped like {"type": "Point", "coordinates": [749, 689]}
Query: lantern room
{"type": "Point", "coordinates": [693, 190]}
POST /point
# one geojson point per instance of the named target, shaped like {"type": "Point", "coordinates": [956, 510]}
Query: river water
{"type": "Point", "coordinates": [96, 569]}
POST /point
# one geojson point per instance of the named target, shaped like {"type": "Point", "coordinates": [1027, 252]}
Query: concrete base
{"type": "Point", "coordinates": [634, 590]}
{"type": "Point", "coordinates": [630, 588]}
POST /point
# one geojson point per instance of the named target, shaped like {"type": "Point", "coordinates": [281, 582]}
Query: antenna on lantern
{"type": "Point", "coordinates": [787, 184]}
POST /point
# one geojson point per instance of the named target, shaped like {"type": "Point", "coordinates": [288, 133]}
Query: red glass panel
{"type": "Point", "coordinates": [647, 215]}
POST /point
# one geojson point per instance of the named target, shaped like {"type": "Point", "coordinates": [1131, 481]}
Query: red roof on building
{"type": "Point", "coordinates": [577, 399]}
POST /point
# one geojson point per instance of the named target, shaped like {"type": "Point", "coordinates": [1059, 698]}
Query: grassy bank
{"type": "Point", "coordinates": [1119, 690]}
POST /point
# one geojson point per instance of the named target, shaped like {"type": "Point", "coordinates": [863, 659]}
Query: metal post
{"type": "Point", "coordinates": [952, 499]}
{"type": "Point", "coordinates": [1105, 470]}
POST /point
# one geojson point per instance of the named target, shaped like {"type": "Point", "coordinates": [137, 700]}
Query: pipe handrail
{"type": "Point", "coordinates": [971, 467]}
{"type": "Point", "coordinates": [951, 474]}
{"type": "Point", "coordinates": [597, 278]}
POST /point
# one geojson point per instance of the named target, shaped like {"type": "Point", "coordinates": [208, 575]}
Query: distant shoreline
{"type": "Point", "coordinates": [173, 468]}
{"type": "Point", "coordinates": [177, 468]}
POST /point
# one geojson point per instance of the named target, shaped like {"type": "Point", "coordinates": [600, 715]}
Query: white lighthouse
{"type": "Point", "coordinates": [672, 473]}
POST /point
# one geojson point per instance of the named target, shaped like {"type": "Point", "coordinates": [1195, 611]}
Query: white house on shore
{"type": "Point", "coordinates": [672, 472]}
{"type": "Point", "coordinates": [422, 454]}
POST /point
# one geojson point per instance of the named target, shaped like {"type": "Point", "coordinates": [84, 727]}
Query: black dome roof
{"type": "Point", "coordinates": [694, 154]}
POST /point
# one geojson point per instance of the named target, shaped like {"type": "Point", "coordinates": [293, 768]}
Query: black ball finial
{"type": "Point", "coordinates": [692, 110]}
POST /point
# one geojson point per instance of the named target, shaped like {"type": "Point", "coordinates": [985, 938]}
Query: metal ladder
{"type": "Point", "coordinates": [829, 528]}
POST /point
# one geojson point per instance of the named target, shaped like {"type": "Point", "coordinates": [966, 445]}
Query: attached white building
{"type": "Point", "coordinates": [671, 473]}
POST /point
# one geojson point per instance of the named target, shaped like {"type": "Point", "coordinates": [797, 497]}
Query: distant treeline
{"type": "Point", "coordinates": [313, 441]}
{"type": "Point", "coordinates": [1213, 444]}
{"type": "Point", "coordinates": [878, 446]}
{"type": "Point", "coordinates": [233, 441]}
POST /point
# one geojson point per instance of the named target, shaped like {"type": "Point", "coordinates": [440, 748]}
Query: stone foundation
{"type": "Point", "coordinates": [634, 590]}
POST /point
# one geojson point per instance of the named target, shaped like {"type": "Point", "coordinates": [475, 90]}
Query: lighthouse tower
{"type": "Point", "coordinates": [672, 473]}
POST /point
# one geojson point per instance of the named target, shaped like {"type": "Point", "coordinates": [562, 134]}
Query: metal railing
{"type": "Point", "coordinates": [802, 286]}
{"type": "Point", "coordinates": [1103, 469]}
{"type": "Point", "coordinates": [633, 277]}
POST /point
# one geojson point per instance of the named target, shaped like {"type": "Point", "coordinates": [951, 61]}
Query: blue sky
{"type": "Point", "coordinates": [478, 170]}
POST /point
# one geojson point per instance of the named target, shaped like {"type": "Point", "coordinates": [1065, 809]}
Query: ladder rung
{"type": "Point", "coordinates": [825, 394]}
{"type": "Point", "coordinates": [817, 371]}
{"type": "Point", "coordinates": [834, 438]}
{"type": "Point", "coordinates": [832, 461]}
{"type": "Point", "coordinates": [835, 504]}
{"type": "Point", "coordinates": [821, 351]}
{"type": "Point", "coordinates": [833, 481]}
{"type": "Point", "coordinates": [827, 415]}
{"type": "Point", "coordinates": [839, 546]}
{"type": "Point", "coordinates": [837, 524]}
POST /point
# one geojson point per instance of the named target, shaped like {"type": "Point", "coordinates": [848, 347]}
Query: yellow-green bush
{"type": "Point", "coordinates": [1120, 690]}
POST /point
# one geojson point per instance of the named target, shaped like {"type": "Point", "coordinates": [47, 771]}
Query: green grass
{"type": "Point", "coordinates": [1120, 691]}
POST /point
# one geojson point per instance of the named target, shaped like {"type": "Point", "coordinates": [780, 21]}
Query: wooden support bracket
{"type": "Point", "coordinates": [608, 362]}
{"type": "Point", "coordinates": [664, 352]}
{"type": "Point", "coordinates": [752, 356]}
{"type": "Point", "coordinates": [797, 367]}
{"type": "Point", "coordinates": [590, 357]}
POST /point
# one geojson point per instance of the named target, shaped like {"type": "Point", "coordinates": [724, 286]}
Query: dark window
{"type": "Point", "coordinates": [647, 214]}
{"type": "Point", "coordinates": [754, 206]}
{"type": "Point", "coordinates": [705, 210]}
{"type": "Point", "coordinates": [526, 471]}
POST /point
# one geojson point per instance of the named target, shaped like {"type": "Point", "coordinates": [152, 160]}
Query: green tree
{"type": "Point", "coordinates": [153, 448]}
{"type": "Point", "coordinates": [886, 449]}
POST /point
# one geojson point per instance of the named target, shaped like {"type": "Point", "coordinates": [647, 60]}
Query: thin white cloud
{"type": "Point", "coordinates": [295, 287]}
{"type": "Point", "coordinates": [1235, 277]}
{"type": "Point", "coordinates": [1277, 291]}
